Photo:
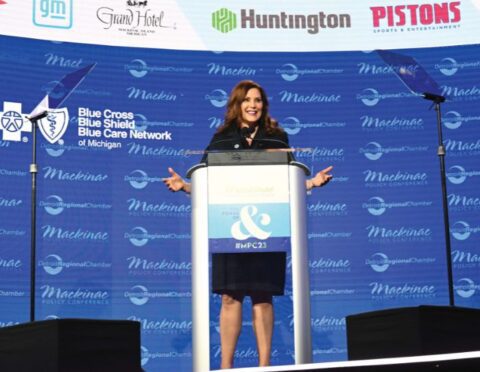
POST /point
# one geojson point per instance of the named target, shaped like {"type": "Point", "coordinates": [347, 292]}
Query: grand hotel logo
{"type": "Point", "coordinates": [136, 20]}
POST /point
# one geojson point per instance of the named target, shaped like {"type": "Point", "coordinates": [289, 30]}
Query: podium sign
{"type": "Point", "coordinates": [248, 211]}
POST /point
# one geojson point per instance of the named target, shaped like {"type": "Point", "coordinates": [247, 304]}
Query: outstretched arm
{"type": "Point", "coordinates": [176, 183]}
{"type": "Point", "coordinates": [320, 179]}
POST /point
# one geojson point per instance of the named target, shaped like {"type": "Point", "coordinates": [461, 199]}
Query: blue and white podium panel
{"type": "Point", "coordinates": [113, 242]}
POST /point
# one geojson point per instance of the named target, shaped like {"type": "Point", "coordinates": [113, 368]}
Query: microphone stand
{"type": "Point", "coordinates": [437, 100]}
{"type": "Point", "coordinates": [33, 229]}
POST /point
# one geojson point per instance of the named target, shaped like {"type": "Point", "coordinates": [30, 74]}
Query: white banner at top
{"type": "Point", "coordinates": [300, 25]}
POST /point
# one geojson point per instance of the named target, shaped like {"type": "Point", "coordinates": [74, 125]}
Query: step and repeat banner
{"type": "Point", "coordinates": [114, 243]}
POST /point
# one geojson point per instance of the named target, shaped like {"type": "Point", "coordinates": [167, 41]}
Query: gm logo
{"type": "Point", "coordinates": [224, 20]}
{"type": "Point", "coordinates": [53, 13]}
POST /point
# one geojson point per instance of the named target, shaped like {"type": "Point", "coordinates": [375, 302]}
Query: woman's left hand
{"type": "Point", "coordinates": [320, 179]}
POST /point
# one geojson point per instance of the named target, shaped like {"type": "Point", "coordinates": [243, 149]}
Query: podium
{"type": "Point", "coordinates": [248, 183]}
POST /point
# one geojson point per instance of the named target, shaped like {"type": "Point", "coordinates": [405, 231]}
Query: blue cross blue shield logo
{"type": "Point", "coordinates": [54, 125]}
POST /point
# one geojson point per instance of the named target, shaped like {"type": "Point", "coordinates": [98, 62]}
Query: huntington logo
{"type": "Point", "coordinates": [224, 20]}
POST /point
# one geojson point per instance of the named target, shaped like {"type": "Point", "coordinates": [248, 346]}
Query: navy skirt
{"type": "Point", "coordinates": [249, 272]}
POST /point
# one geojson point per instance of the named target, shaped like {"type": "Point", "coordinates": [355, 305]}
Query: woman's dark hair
{"type": "Point", "coordinates": [233, 116]}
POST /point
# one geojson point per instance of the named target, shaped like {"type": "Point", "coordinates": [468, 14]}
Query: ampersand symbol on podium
{"type": "Point", "coordinates": [246, 221]}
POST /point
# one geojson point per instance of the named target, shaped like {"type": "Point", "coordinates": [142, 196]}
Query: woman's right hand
{"type": "Point", "coordinates": [175, 182]}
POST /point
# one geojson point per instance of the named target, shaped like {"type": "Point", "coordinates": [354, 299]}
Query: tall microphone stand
{"type": "Point", "coordinates": [437, 100]}
{"type": "Point", "coordinates": [33, 223]}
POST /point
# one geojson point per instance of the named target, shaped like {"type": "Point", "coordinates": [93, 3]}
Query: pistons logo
{"type": "Point", "coordinates": [416, 14]}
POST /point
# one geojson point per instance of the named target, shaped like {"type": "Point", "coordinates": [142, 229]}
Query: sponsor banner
{"type": "Point", "coordinates": [114, 242]}
{"type": "Point", "coordinates": [210, 25]}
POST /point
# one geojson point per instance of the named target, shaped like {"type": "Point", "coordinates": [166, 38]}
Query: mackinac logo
{"type": "Point", "coordinates": [10, 263]}
{"type": "Point", "coordinates": [141, 266]}
{"type": "Point", "coordinates": [465, 259]}
{"type": "Point", "coordinates": [139, 207]}
{"type": "Point", "coordinates": [163, 325]}
{"type": "Point", "coordinates": [13, 122]}
{"type": "Point", "coordinates": [56, 60]}
{"type": "Point", "coordinates": [289, 96]}
{"type": "Point", "coordinates": [225, 20]}
{"type": "Point", "coordinates": [462, 148]}
{"type": "Point", "coordinates": [459, 202]}
{"type": "Point", "coordinates": [381, 179]}
{"type": "Point", "coordinates": [325, 208]}
{"type": "Point", "coordinates": [76, 296]}
{"type": "Point", "coordinates": [13, 203]}
{"type": "Point", "coordinates": [322, 154]}
{"type": "Point", "coordinates": [459, 94]}
{"type": "Point", "coordinates": [326, 265]}
{"type": "Point", "coordinates": [382, 234]}
{"type": "Point", "coordinates": [372, 123]}
{"type": "Point", "coordinates": [365, 68]}
{"type": "Point", "coordinates": [223, 70]}
{"type": "Point", "coordinates": [386, 291]}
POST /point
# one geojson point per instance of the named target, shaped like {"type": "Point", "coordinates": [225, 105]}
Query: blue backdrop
{"type": "Point", "coordinates": [114, 243]}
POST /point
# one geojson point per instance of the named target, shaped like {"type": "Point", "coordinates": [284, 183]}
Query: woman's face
{"type": "Point", "coordinates": [251, 107]}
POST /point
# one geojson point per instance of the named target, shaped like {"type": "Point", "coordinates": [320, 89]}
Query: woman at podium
{"type": "Point", "coordinates": [247, 125]}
